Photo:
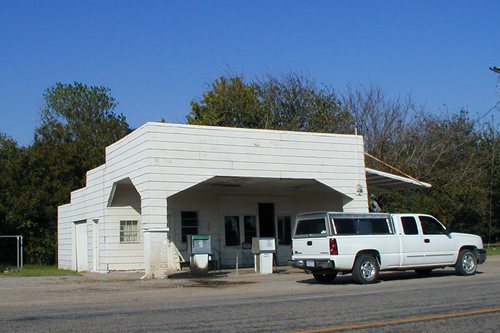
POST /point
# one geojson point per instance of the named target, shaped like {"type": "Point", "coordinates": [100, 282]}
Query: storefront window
{"type": "Point", "coordinates": [232, 230]}
{"type": "Point", "coordinates": [250, 224]}
{"type": "Point", "coordinates": [284, 230]}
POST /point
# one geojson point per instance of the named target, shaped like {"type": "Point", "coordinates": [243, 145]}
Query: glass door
{"type": "Point", "coordinates": [249, 231]}
{"type": "Point", "coordinates": [239, 231]}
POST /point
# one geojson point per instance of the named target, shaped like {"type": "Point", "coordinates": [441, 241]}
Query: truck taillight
{"type": "Point", "coordinates": [334, 250]}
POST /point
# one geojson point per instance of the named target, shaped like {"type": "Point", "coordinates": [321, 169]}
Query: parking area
{"type": "Point", "coordinates": [232, 302]}
{"type": "Point", "coordinates": [95, 287]}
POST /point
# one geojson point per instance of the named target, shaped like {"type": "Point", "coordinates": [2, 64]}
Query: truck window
{"type": "Point", "coordinates": [311, 227]}
{"type": "Point", "coordinates": [345, 226]}
{"type": "Point", "coordinates": [430, 226]}
{"type": "Point", "coordinates": [379, 226]}
{"type": "Point", "coordinates": [409, 225]}
{"type": "Point", "coordinates": [367, 226]}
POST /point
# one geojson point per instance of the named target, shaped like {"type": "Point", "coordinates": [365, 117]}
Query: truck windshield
{"type": "Point", "coordinates": [311, 227]}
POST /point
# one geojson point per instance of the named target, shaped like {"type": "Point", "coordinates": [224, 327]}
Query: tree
{"type": "Point", "coordinates": [297, 104]}
{"type": "Point", "coordinates": [380, 120]}
{"type": "Point", "coordinates": [453, 155]}
{"type": "Point", "coordinates": [449, 151]}
{"type": "Point", "coordinates": [80, 121]}
{"type": "Point", "coordinates": [229, 102]}
{"type": "Point", "coordinates": [21, 203]}
{"type": "Point", "coordinates": [9, 167]}
{"type": "Point", "coordinates": [289, 102]}
{"type": "Point", "coordinates": [77, 123]}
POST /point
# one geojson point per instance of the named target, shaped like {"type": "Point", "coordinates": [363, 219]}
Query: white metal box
{"type": "Point", "coordinates": [263, 245]}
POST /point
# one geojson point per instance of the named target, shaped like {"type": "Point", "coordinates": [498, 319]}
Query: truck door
{"type": "Point", "coordinates": [438, 244]}
{"type": "Point", "coordinates": [412, 246]}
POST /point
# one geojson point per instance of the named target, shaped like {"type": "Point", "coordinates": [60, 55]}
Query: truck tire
{"type": "Point", "coordinates": [366, 269]}
{"type": "Point", "coordinates": [325, 277]}
{"type": "Point", "coordinates": [466, 263]}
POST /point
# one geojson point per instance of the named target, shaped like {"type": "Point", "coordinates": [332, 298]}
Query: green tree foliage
{"type": "Point", "coordinates": [77, 123]}
{"type": "Point", "coordinates": [451, 152]}
{"type": "Point", "coordinates": [494, 216]}
{"type": "Point", "coordinates": [9, 167]}
{"type": "Point", "coordinates": [296, 103]}
{"type": "Point", "coordinates": [291, 102]}
{"type": "Point", "coordinates": [230, 102]}
{"type": "Point", "coordinates": [21, 203]}
{"type": "Point", "coordinates": [454, 155]}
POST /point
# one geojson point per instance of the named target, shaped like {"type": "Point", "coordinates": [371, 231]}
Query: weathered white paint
{"type": "Point", "coordinates": [146, 173]}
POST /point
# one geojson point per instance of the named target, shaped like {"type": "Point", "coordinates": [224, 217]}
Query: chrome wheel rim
{"type": "Point", "coordinates": [468, 263]}
{"type": "Point", "coordinates": [368, 270]}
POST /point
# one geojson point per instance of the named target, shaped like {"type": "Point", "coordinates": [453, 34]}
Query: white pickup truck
{"type": "Point", "coordinates": [325, 243]}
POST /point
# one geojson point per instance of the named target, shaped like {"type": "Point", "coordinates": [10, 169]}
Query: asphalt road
{"type": "Point", "coordinates": [289, 301]}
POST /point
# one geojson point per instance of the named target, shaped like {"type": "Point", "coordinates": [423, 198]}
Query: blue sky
{"type": "Point", "coordinates": [157, 56]}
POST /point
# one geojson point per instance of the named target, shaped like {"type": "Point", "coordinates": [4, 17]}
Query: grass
{"type": "Point", "coordinates": [493, 249]}
{"type": "Point", "coordinates": [37, 270]}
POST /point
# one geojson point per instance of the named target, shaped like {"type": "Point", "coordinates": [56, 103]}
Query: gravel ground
{"type": "Point", "coordinates": [289, 300]}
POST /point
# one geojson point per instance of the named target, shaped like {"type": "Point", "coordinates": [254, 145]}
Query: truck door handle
{"type": "Point", "coordinates": [427, 240]}
{"type": "Point", "coordinates": [309, 243]}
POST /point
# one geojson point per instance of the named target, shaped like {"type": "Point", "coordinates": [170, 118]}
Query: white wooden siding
{"type": "Point", "coordinates": [164, 159]}
{"type": "Point", "coordinates": [183, 156]}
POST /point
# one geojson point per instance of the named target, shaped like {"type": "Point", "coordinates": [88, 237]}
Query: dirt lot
{"type": "Point", "coordinates": [288, 300]}
{"type": "Point", "coordinates": [90, 288]}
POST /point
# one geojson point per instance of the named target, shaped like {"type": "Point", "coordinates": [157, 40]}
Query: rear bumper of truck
{"type": "Point", "coordinates": [482, 256]}
{"type": "Point", "coordinates": [313, 264]}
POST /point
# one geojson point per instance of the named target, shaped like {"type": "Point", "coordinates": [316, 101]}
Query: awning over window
{"type": "Point", "coordinates": [379, 181]}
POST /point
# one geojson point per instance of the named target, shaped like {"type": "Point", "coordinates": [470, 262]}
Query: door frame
{"type": "Point", "coordinates": [80, 248]}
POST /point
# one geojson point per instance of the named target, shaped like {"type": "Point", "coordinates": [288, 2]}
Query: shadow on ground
{"type": "Point", "coordinates": [386, 276]}
{"type": "Point", "coordinates": [187, 275]}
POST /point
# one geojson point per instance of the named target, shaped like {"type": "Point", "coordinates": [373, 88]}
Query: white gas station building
{"type": "Point", "coordinates": [163, 182]}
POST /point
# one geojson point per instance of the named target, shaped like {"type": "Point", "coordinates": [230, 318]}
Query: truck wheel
{"type": "Point", "coordinates": [365, 269]}
{"type": "Point", "coordinates": [466, 263]}
{"type": "Point", "coordinates": [325, 277]}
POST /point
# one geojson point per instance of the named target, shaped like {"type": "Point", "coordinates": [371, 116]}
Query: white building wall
{"type": "Point", "coordinates": [182, 156]}
{"type": "Point", "coordinates": [64, 237]}
{"type": "Point", "coordinates": [90, 203]}
{"type": "Point", "coordinates": [164, 159]}
{"type": "Point", "coordinates": [117, 256]}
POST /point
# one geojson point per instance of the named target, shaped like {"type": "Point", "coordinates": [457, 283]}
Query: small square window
{"type": "Point", "coordinates": [129, 231]}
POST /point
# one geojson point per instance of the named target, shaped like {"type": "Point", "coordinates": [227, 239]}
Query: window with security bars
{"type": "Point", "coordinates": [129, 231]}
